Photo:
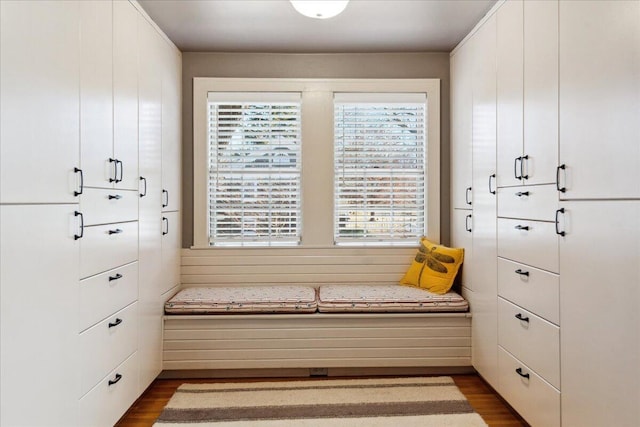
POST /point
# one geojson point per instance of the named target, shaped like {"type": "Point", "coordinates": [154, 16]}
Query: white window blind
{"type": "Point", "coordinates": [254, 169]}
{"type": "Point", "coordinates": [380, 167]}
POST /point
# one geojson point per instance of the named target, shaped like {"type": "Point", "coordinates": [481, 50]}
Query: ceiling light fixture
{"type": "Point", "coordinates": [320, 9]}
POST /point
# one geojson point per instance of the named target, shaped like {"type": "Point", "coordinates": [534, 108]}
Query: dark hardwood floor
{"type": "Point", "coordinates": [484, 400]}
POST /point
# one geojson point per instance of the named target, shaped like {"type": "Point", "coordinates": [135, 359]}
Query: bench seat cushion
{"type": "Point", "coordinates": [386, 298]}
{"type": "Point", "coordinates": [243, 300]}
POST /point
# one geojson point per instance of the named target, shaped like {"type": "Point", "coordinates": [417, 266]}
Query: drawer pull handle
{"type": "Point", "coordinates": [117, 378]}
{"type": "Point", "coordinates": [116, 323]}
{"type": "Point", "coordinates": [522, 175]}
{"type": "Point", "coordinates": [165, 195]}
{"type": "Point", "coordinates": [519, 372]}
{"type": "Point", "coordinates": [142, 178]}
{"type": "Point", "coordinates": [515, 167]}
{"type": "Point", "coordinates": [165, 221]}
{"type": "Point", "coordinates": [466, 195]}
{"type": "Point", "coordinates": [522, 227]}
{"type": "Point", "coordinates": [116, 277]}
{"type": "Point", "coordinates": [522, 273]}
{"type": "Point", "coordinates": [116, 231]}
{"type": "Point", "coordinates": [79, 236]}
{"type": "Point", "coordinates": [558, 169]}
{"type": "Point", "coordinates": [558, 212]}
{"type": "Point", "coordinates": [81, 187]}
{"type": "Point", "coordinates": [115, 170]}
{"type": "Point", "coordinates": [466, 223]}
{"type": "Point", "coordinates": [119, 162]}
{"type": "Point", "coordinates": [116, 197]}
{"type": "Point", "coordinates": [520, 317]}
{"type": "Point", "coordinates": [522, 193]}
{"type": "Point", "coordinates": [491, 178]}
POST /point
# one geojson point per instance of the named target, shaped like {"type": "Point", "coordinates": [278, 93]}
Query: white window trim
{"type": "Point", "coordinates": [317, 146]}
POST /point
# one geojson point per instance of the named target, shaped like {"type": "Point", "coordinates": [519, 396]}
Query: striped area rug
{"type": "Point", "coordinates": [405, 402]}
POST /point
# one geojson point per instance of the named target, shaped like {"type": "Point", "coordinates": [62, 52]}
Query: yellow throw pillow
{"type": "Point", "coordinates": [434, 268]}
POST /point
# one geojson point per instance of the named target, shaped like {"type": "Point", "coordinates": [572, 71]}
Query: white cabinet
{"type": "Point", "coordinates": [599, 313]}
{"type": "Point", "coordinates": [109, 94]}
{"type": "Point", "coordinates": [96, 94]}
{"type": "Point", "coordinates": [484, 267]}
{"type": "Point", "coordinates": [461, 229]}
{"type": "Point", "coordinates": [540, 154]}
{"type": "Point", "coordinates": [600, 99]}
{"type": "Point", "coordinates": [150, 204]}
{"type": "Point", "coordinates": [39, 102]}
{"type": "Point", "coordinates": [527, 75]}
{"type": "Point", "coordinates": [39, 308]}
{"type": "Point", "coordinates": [510, 83]}
{"type": "Point", "coordinates": [171, 244]}
{"type": "Point", "coordinates": [125, 93]}
{"type": "Point", "coordinates": [461, 122]}
{"type": "Point", "coordinates": [171, 128]}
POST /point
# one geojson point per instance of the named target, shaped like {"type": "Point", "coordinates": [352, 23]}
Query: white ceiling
{"type": "Point", "coordinates": [274, 26]}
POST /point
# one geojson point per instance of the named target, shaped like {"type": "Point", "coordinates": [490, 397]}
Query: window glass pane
{"type": "Point", "coordinates": [379, 159]}
{"type": "Point", "coordinates": [254, 172]}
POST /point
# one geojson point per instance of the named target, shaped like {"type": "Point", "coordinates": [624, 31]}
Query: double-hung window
{"type": "Point", "coordinates": [254, 169]}
{"type": "Point", "coordinates": [315, 164]}
{"type": "Point", "coordinates": [379, 167]}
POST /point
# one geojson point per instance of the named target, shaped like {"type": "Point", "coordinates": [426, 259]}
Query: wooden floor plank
{"type": "Point", "coordinates": [494, 411]}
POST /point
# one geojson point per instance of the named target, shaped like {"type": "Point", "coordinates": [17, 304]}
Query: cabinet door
{"type": "Point", "coordinates": [540, 91]}
{"type": "Point", "coordinates": [461, 229]}
{"type": "Point", "coordinates": [96, 93]}
{"type": "Point", "coordinates": [510, 48]}
{"type": "Point", "coordinates": [461, 115]}
{"type": "Point", "coordinates": [484, 265]}
{"type": "Point", "coordinates": [125, 93]}
{"type": "Point", "coordinates": [600, 99]}
{"type": "Point", "coordinates": [39, 310]}
{"type": "Point", "coordinates": [171, 244]}
{"type": "Point", "coordinates": [171, 141]}
{"type": "Point", "coordinates": [39, 101]}
{"type": "Point", "coordinates": [150, 220]}
{"type": "Point", "coordinates": [599, 316]}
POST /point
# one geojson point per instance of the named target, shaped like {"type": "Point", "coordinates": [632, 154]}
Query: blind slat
{"type": "Point", "coordinates": [254, 169]}
{"type": "Point", "coordinates": [379, 167]}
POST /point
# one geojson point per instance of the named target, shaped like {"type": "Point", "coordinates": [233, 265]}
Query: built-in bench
{"type": "Point", "coordinates": [359, 329]}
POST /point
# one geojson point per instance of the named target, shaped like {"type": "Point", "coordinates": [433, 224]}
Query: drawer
{"type": "Point", "coordinates": [533, 243]}
{"type": "Point", "coordinates": [104, 247]}
{"type": "Point", "coordinates": [101, 206]}
{"type": "Point", "coordinates": [106, 403]}
{"type": "Point", "coordinates": [534, 341]}
{"type": "Point", "coordinates": [536, 202]}
{"type": "Point", "coordinates": [106, 345]}
{"type": "Point", "coordinates": [107, 293]}
{"type": "Point", "coordinates": [531, 288]}
{"type": "Point", "coordinates": [534, 399]}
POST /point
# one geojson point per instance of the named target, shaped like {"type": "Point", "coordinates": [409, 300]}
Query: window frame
{"type": "Point", "coordinates": [317, 148]}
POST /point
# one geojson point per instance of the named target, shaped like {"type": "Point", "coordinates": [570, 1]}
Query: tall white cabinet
{"type": "Point", "coordinates": [563, 317]}
{"type": "Point", "coordinates": [82, 237]}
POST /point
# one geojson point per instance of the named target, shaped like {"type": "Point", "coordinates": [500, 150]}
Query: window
{"type": "Point", "coordinates": [379, 166]}
{"type": "Point", "coordinates": [315, 163]}
{"type": "Point", "coordinates": [254, 169]}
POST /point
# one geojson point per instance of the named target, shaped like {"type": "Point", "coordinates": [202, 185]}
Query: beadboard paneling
{"type": "Point", "coordinates": [222, 266]}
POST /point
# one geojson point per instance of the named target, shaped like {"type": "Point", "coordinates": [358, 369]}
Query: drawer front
{"type": "Point", "coordinates": [105, 247]}
{"type": "Point", "coordinates": [532, 340]}
{"type": "Point", "coordinates": [536, 202]}
{"type": "Point", "coordinates": [106, 345]}
{"type": "Point", "coordinates": [106, 206]}
{"type": "Point", "coordinates": [107, 293]}
{"type": "Point", "coordinates": [533, 398]}
{"type": "Point", "coordinates": [533, 289]}
{"type": "Point", "coordinates": [106, 403]}
{"type": "Point", "coordinates": [533, 243]}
